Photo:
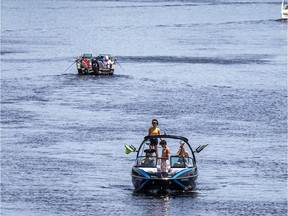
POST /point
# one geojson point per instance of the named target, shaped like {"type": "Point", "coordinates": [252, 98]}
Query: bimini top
{"type": "Point", "coordinates": [166, 136]}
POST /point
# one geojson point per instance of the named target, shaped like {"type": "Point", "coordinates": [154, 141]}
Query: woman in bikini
{"type": "Point", "coordinates": [154, 130]}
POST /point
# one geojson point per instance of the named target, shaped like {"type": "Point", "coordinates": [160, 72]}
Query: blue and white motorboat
{"type": "Point", "coordinates": [182, 172]}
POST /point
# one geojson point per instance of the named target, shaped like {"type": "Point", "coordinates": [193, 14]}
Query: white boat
{"type": "Point", "coordinates": [284, 9]}
{"type": "Point", "coordinates": [103, 64]}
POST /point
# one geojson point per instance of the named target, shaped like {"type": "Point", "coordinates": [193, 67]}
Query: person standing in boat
{"type": "Point", "coordinates": [154, 130]}
{"type": "Point", "coordinates": [165, 156]}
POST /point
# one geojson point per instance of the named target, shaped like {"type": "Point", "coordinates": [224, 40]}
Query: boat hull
{"type": "Point", "coordinates": [95, 70]}
{"type": "Point", "coordinates": [96, 73]}
{"type": "Point", "coordinates": [163, 182]}
{"type": "Point", "coordinates": [284, 14]}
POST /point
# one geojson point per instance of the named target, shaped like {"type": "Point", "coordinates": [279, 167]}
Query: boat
{"type": "Point", "coordinates": [182, 172]}
{"type": "Point", "coordinates": [284, 9]}
{"type": "Point", "coordinates": [102, 64]}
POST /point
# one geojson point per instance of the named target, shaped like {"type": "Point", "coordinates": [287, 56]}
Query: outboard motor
{"type": "Point", "coordinates": [95, 66]}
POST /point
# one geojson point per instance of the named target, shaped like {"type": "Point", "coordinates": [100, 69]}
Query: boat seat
{"type": "Point", "coordinates": [179, 165]}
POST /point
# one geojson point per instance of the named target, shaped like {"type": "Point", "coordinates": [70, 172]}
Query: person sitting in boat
{"type": "Point", "coordinates": [148, 161]}
{"type": "Point", "coordinates": [165, 156]}
{"type": "Point", "coordinates": [85, 62]}
{"type": "Point", "coordinates": [182, 153]}
{"type": "Point", "coordinates": [107, 62]}
{"type": "Point", "coordinates": [154, 130]}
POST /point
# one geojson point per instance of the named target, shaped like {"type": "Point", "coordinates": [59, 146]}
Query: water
{"type": "Point", "coordinates": [213, 71]}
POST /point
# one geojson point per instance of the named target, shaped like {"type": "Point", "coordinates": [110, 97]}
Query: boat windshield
{"type": "Point", "coordinates": [179, 148]}
{"type": "Point", "coordinates": [88, 56]}
{"type": "Point", "coordinates": [181, 162]}
{"type": "Point", "coordinates": [144, 161]}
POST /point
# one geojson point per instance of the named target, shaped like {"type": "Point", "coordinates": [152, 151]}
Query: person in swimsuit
{"type": "Point", "coordinates": [154, 130]}
{"type": "Point", "coordinates": [183, 154]}
{"type": "Point", "coordinates": [165, 156]}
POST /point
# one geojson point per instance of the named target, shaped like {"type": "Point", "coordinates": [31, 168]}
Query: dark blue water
{"type": "Point", "coordinates": [213, 71]}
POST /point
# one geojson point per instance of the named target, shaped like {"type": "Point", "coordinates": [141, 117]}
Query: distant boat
{"type": "Point", "coordinates": [284, 9]}
{"type": "Point", "coordinates": [103, 64]}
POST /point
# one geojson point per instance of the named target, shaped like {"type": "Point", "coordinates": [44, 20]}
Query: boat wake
{"type": "Point", "coordinates": [243, 59]}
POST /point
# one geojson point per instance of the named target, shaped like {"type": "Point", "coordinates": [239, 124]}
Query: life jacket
{"type": "Point", "coordinates": [86, 62]}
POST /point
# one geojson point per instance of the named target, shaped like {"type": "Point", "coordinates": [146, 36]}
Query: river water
{"type": "Point", "coordinates": [213, 71]}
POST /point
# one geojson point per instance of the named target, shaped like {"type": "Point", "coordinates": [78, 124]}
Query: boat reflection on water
{"type": "Point", "coordinates": [162, 204]}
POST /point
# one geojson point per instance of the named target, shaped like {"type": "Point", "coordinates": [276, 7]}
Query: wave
{"type": "Point", "coordinates": [235, 60]}
{"type": "Point", "coordinates": [246, 59]}
{"type": "Point", "coordinates": [187, 2]}
{"type": "Point", "coordinates": [4, 52]}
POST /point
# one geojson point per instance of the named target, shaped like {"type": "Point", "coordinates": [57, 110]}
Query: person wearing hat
{"type": "Point", "coordinates": [165, 156]}
{"type": "Point", "coordinates": [154, 130]}
{"type": "Point", "coordinates": [148, 161]}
